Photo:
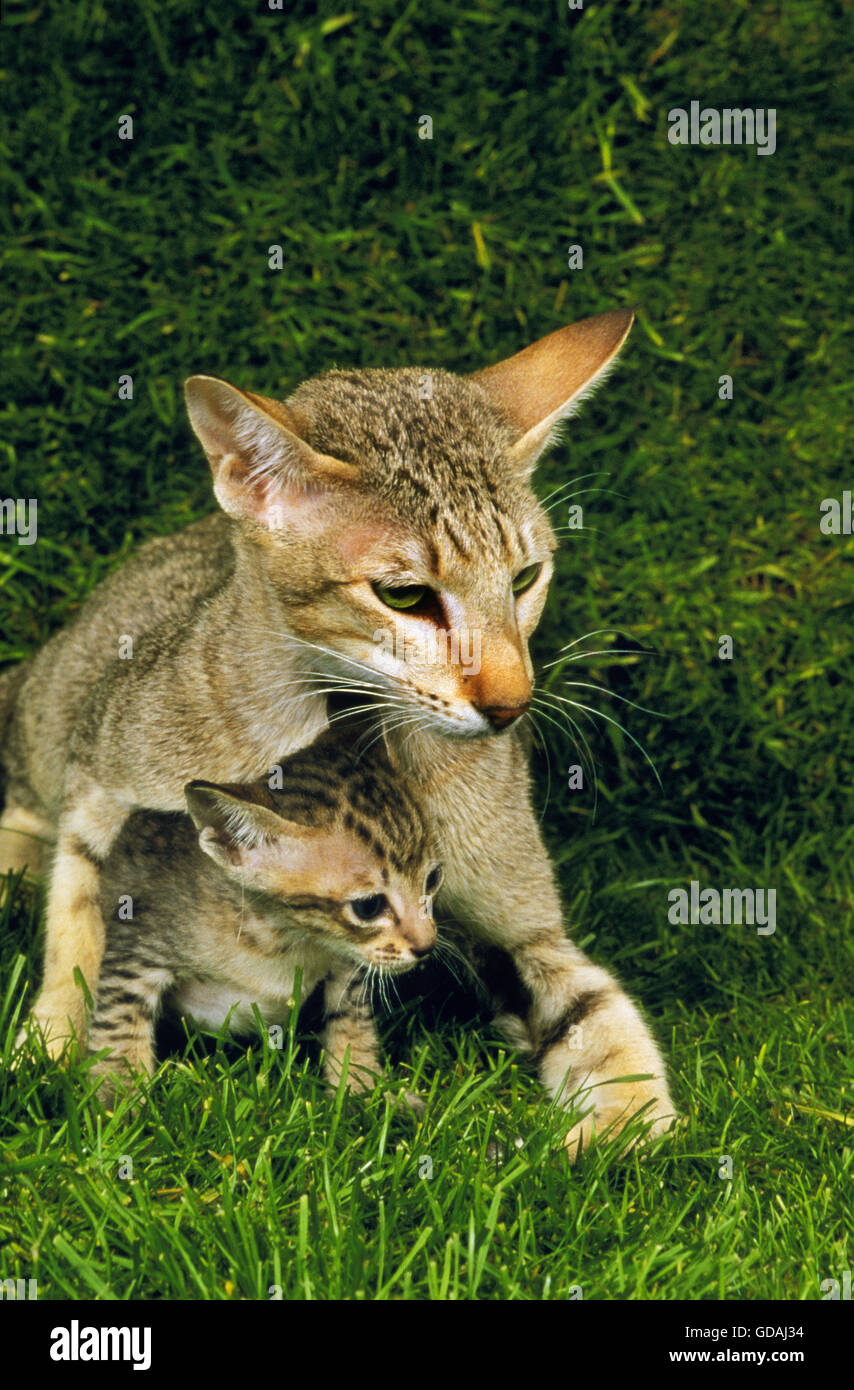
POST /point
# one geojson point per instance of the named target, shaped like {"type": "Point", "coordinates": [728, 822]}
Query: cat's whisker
{"type": "Point", "coordinates": [597, 473]}
{"type": "Point", "coordinates": [391, 726]}
{"type": "Point", "coordinates": [584, 751]}
{"type": "Point", "coordinates": [545, 748]}
{"type": "Point", "coordinates": [594, 632]}
{"type": "Point", "coordinates": [380, 727]}
{"type": "Point", "coordinates": [602, 651]}
{"type": "Point", "coordinates": [562, 500]}
{"type": "Point", "coordinates": [419, 728]}
{"type": "Point", "coordinates": [600, 714]}
{"type": "Point", "coordinates": [603, 690]}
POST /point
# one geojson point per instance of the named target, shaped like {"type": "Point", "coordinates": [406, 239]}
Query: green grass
{"type": "Point", "coordinates": [149, 257]}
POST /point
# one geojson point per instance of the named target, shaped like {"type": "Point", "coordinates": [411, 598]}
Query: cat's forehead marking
{"type": "Point", "coordinates": [430, 446]}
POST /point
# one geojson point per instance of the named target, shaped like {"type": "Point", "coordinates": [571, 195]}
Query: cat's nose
{"type": "Point", "coordinates": [500, 716]}
{"type": "Point", "coordinates": [419, 951]}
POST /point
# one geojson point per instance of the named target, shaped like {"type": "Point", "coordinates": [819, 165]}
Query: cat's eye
{"type": "Point", "coordinates": [402, 596]}
{"type": "Point", "coordinates": [525, 578]}
{"type": "Point", "coordinates": [434, 879]}
{"type": "Point", "coordinates": [369, 908]}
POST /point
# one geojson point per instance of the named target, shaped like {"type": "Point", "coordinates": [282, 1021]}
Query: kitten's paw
{"type": "Point", "coordinates": [496, 1152]}
{"type": "Point", "coordinates": [611, 1105]}
{"type": "Point", "coordinates": [515, 1030]}
{"type": "Point", "coordinates": [116, 1079]}
{"type": "Point", "coordinates": [408, 1100]}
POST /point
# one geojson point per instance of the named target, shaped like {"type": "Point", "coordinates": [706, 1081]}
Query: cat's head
{"type": "Point", "coordinates": [338, 850]}
{"type": "Point", "coordinates": [393, 517]}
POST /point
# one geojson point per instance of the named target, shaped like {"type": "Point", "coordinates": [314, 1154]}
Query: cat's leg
{"type": "Point", "coordinates": [572, 1017]}
{"type": "Point", "coordinates": [74, 930]}
{"type": "Point", "coordinates": [129, 996]}
{"type": "Point", "coordinates": [25, 841]}
{"type": "Point", "coordinates": [349, 1027]}
{"type": "Point", "coordinates": [583, 1033]}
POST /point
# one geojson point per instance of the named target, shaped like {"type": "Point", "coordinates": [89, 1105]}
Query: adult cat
{"type": "Point", "coordinates": [372, 504]}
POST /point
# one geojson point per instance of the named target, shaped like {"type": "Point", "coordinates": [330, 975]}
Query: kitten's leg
{"type": "Point", "coordinates": [349, 1024]}
{"type": "Point", "coordinates": [129, 996]}
{"type": "Point", "coordinates": [570, 1015]}
{"type": "Point", "coordinates": [350, 1027]}
{"type": "Point", "coordinates": [74, 930]}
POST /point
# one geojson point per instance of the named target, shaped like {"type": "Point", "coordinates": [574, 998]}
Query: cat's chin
{"type": "Point", "coordinates": [456, 730]}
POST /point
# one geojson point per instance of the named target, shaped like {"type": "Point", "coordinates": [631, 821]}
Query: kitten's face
{"type": "Point", "coordinates": [395, 525]}
{"type": "Point", "coordinates": [344, 895]}
{"type": "Point", "coordinates": [340, 852]}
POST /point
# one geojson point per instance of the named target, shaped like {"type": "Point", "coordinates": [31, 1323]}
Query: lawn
{"type": "Point", "coordinates": [242, 1177]}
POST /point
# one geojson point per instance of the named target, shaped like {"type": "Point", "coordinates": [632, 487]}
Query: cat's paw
{"type": "Point", "coordinates": [611, 1105]}
{"type": "Point", "coordinates": [47, 1032]}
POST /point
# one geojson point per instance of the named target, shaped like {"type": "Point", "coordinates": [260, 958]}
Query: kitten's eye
{"type": "Point", "coordinates": [369, 908]}
{"type": "Point", "coordinates": [434, 878]}
{"type": "Point", "coordinates": [525, 578]}
{"type": "Point", "coordinates": [402, 596]}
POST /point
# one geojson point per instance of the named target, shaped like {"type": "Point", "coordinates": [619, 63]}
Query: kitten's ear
{"type": "Point", "coordinates": [262, 467]}
{"type": "Point", "coordinates": [236, 830]}
{"type": "Point", "coordinates": [546, 382]}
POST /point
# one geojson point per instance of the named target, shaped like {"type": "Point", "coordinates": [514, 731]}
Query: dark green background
{"type": "Point", "coordinates": [550, 128]}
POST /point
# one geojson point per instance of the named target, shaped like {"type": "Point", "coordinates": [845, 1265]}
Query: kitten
{"type": "Point", "coordinates": [371, 513]}
{"type": "Point", "coordinates": [332, 874]}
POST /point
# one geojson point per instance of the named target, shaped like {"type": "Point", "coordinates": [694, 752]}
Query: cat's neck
{"type": "Point", "coordinates": [270, 671]}
{"type": "Point", "coordinates": [433, 759]}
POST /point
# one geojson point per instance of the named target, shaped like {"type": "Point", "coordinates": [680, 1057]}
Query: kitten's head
{"type": "Point", "coordinates": [394, 520]}
{"type": "Point", "coordinates": [336, 848]}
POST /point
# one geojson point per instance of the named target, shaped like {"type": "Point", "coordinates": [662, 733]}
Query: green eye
{"type": "Point", "coordinates": [525, 578]}
{"type": "Point", "coordinates": [402, 596]}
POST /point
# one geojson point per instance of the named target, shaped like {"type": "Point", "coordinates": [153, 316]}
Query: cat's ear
{"type": "Point", "coordinates": [546, 382]}
{"type": "Point", "coordinates": [238, 832]}
{"type": "Point", "coordinates": [263, 469]}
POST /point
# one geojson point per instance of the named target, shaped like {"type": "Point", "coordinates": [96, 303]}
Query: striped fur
{"type": "Point", "coordinates": [216, 913]}
{"type": "Point", "coordinates": [243, 624]}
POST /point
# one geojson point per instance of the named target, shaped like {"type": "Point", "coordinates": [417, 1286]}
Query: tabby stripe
{"type": "Point", "coordinates": [80, 847]}
{"type": "Point", "coordinates": [466, 554]}
{"type": "Point", "coordinates": [570, 1018]}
